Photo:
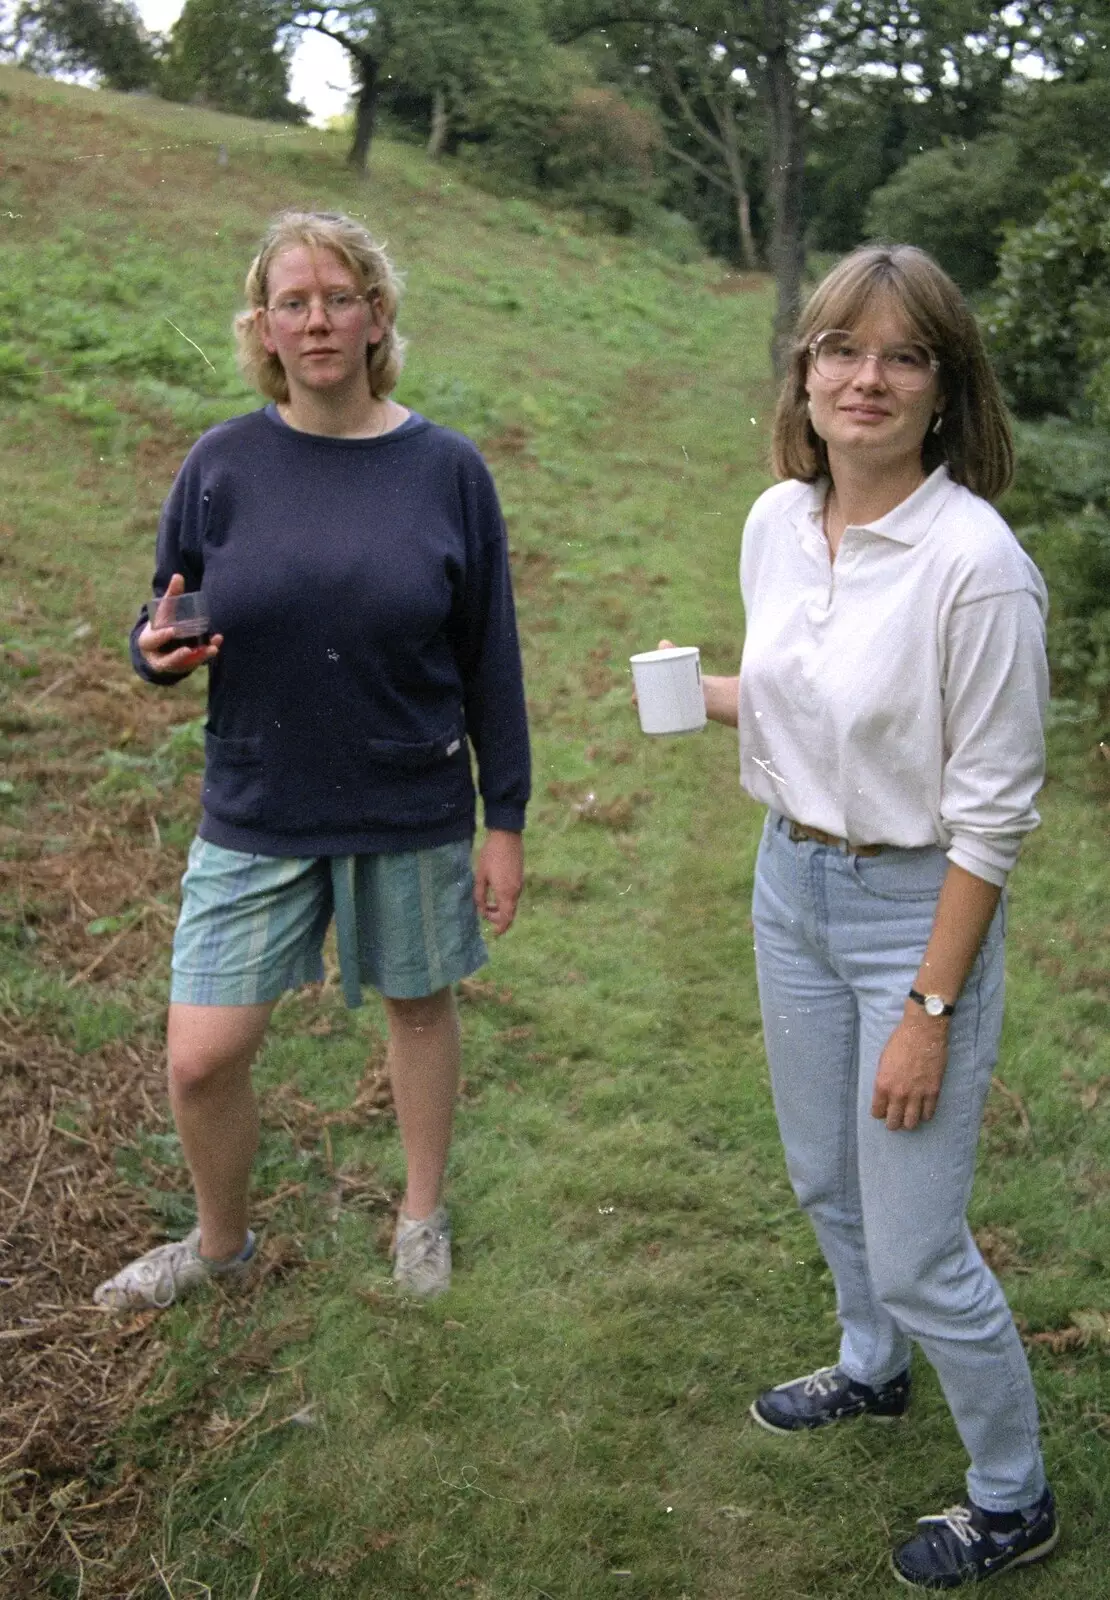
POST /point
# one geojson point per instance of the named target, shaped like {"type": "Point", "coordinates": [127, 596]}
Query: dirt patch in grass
{"type": "Point", "coordinates": [100, 768]}
{"type": "Point", "coordinates": [532, 571]}
{"type": "Point", "coordinates": [88, 886]}
{"type": "Point", "coordinates": [514, 440]}
{"type": "Point", "coordinates": [85, 876]}
{"type": "Point", "coordinates": [740, 283]}
{"type": "Point", "coordinates": [71, 1374]}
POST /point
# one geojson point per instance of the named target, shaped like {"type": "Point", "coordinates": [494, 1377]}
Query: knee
{"type": "Point", "coordinates": [822, 1194]}
{"type": "Point", "coordinates": [195, 1072]}
{"type": "Point", "coordinates": [908, 1275]}
{"type": "Point", "coordinates": [212, 1046]}
{"type": "Point", "coordinates": [903, 1285]}
{"type": "Point", "coordinates": [928, 1295]}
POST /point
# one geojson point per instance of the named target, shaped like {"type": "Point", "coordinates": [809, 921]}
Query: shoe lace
{"type": "Point", "coordinates": [821, 1382]}
{"type": "Point", "coordinates": [420, 1240]}
{"type": "Point", "coordinates": [158, 1273]}
{"type": "Point", "coordinates": [958, 1518]}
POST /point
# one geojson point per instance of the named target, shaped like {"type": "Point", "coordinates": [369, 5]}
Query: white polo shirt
{"type": "Point", "coordinates": [896, 695]}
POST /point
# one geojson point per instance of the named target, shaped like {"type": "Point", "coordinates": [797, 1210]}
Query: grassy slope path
{"type": "Point", "coordinates": [571, 1421]}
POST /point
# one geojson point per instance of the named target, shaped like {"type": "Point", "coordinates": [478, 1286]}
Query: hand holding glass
{"type": "Point", "coordinates": [187, 616]}
{"type": "Point", "coordinates": [177, 635]}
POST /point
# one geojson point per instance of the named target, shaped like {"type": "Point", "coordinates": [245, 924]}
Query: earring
{"type": "Point", "coordinates": [938, 424]}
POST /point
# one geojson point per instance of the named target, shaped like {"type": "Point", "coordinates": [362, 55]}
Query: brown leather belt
{"type": "Point", "coordinates": [798, 832]}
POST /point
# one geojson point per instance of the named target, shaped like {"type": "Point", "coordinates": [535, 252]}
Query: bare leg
{"type": "Point", "coordinates": [211, 1049]}
{"type": "Point", "coordinates": [424, 1058]}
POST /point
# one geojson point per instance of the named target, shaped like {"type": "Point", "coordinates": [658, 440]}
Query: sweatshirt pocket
{"type": "Point", "coordinates": [407, 755]}
{"type": "Point", "coordinates": [364, 783]}
{"type": "Point", "coordinates": [233, 784]}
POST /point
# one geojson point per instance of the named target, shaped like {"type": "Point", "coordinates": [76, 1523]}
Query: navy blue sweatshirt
{"type": "Point", "coordinates": [362, 589]}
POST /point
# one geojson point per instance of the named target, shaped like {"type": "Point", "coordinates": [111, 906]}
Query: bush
{"type": "Point", "coordinates": [953, 202]}
{"type": "Point", "coordinates": [1060, 509]}
{"type": "Point", "coordinates": [1049, 321]}
{"type": "Point", "coordinates": [601, 154]}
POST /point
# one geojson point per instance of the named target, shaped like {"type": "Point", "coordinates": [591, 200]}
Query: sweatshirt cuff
{"type": "Point", "coordinates": [987, 861]}
{"type": "Point", "coordinates": [149, 674]}
{"type": "Point", "coordinates": [505, 818]}
{"type": "Point", "coordinates": [138, 661]}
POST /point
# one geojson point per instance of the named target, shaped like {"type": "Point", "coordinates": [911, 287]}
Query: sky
{"type": "Point", "coordinates": [320, 77]}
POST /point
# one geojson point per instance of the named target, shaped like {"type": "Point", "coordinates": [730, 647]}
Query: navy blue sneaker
{"type": "Point", "coordinates": [966, 1544]}
{"type": "Point", "coordinates": [829, 1395]}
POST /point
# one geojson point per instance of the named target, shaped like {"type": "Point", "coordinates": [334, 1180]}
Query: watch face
{"type": "Point", "coordinates": [934, 1005]}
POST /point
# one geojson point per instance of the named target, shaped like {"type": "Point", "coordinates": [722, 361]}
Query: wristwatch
{"type": "Point", "coordinates": [935, 1004]}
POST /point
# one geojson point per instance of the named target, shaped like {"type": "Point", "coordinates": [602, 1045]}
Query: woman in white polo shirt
{"type": "Point", "coordinates": [890, 706]}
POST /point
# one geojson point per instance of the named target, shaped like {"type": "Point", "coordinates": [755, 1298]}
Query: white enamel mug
{"type": "Point", "coordinates": [668, 689]}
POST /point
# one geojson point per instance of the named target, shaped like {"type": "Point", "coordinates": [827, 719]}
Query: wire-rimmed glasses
{"type": "Point", "coordinates": [341, 307]}
{"type": "Point", "coordinates": [837, 356]}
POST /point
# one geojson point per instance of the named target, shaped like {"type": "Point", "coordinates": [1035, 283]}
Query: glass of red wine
{"type": "Point", "coordinates": [187, 615]}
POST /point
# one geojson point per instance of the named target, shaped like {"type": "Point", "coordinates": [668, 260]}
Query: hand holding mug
{"type": "Point", "coordinates": [719, 693]}
{"type": "Point", "coordinates": [664, 644]}
{"type": "Point", "coordinates": [668, 689]}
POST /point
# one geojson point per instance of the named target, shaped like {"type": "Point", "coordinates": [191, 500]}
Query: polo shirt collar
{"type": "Point", "coordinates": [908, 523]}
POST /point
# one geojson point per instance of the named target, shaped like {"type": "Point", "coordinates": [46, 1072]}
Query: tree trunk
{"type": "Point", "coordinates": [437, 138]}
{"type": "Point", "coordinates": [366, 105]}
{"type": "Point", "coordinates": [736, 163]}
{"type": "Point", "coordinates": [744, 225]}
{"type": "Point", "coordinates": [787, 159]}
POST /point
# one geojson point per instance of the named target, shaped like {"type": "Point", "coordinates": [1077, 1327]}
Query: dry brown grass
{"type": "Point", "coordinates": [68, 1374]}
{"type": "Point", "coordinates": [71, 1374]}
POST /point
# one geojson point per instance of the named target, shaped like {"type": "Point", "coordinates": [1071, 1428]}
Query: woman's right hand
{"type": "Point", "coordinates": [156, 644]}
{"type": "Point", "coordinates": [720, 694]}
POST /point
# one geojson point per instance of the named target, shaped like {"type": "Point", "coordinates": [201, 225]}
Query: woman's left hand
{"type": "Point", "coordinates": [499, 878]}
{"type": "Point", "coordinates": [911, 1070]}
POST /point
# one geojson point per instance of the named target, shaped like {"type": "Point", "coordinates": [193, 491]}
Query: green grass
{"type": "Point", "coordinates": [571, 1421]}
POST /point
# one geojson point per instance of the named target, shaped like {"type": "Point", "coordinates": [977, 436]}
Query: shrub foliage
{"type": "Point", "coordinates": [1050, 318]}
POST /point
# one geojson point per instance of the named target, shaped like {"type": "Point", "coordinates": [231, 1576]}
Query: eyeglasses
{"type": "Point", "coordinates": [341, 306]}
{"type": "Point", "coordinates": [838, 355]}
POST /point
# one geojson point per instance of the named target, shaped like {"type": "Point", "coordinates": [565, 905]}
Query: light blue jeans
{"type": "Point", "coordinates": [838, 941]}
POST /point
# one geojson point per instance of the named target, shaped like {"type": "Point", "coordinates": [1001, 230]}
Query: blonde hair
{"type": "Point", "coordinates": [371, 268]}
{"type": "Point", "coordinates": [974, 438]}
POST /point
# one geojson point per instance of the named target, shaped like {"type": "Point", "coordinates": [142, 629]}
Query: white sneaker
{"type": "Point", "coordinates": [422, 1254]}
{"type": "Point", "coordinates": [169, 1271]}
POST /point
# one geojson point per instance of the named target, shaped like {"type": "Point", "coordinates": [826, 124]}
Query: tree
{"type": "Point", "coordinates": [601, 153]}
{"type": "Point", "coordinates": [103, 37]}
{"type": "Point", "coordinates": [956, 199]}
{"type": "Point", "coordinates": [745, 78]}
{"type": "Point", "coordinates": [477, 65]}
{"type": "Point", "coordinates": [953, 202]}
{"type": "Point", "coordinates": [235, 58]}
{"type": "Point", "coordinates": [719, 65]}
{"type": "Point", "coordinates": [713, 130]}
{"type": "Point", "coordinates": [486, 70]}
{"type": "Point", "coordinates": [365, 32]}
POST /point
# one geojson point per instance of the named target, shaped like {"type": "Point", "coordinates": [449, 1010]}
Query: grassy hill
{"type": "Point", "coordinates": [570, 1422]}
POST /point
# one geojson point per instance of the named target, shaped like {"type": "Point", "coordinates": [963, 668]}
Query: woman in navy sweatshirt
{"type": "Point", "coordinates": [363, 643]}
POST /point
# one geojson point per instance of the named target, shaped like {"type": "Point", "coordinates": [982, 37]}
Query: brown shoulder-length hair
{"type": "Point", "coordinates": [974, 438]}
{"type": "Point", "coordinates": [364, 258]}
